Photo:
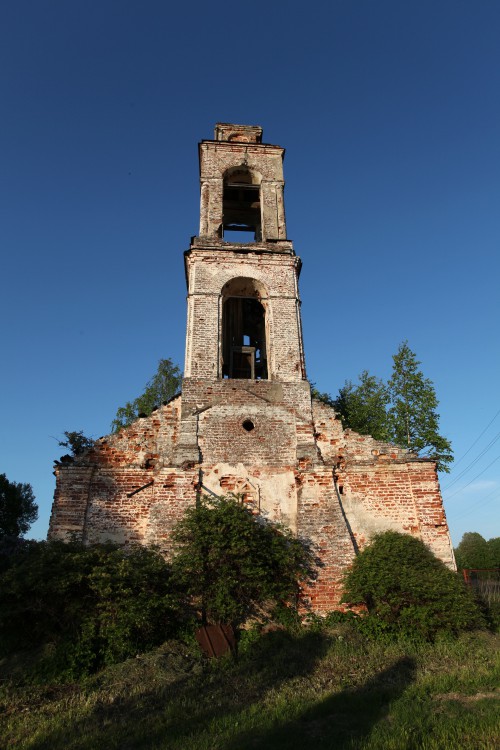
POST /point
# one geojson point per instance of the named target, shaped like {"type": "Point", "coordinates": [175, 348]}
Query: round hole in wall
{"type": "Point", "coordinates": [248, 425]}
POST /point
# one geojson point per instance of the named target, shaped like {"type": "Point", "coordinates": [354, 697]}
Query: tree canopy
{"type": "Point", "coordinates": [95, 605]}
{"type": "Point", "coordinates": [18, 509]}
{"type": "Point", "coordinates": [401, 411]}
{"type": "Point", "coordinates": [77, 442]}
{"type": "Point", "coordinates": [233, 563]}
{"type": "Point", "coordinates": [413, 419]}
{"type": "Point", "coordinates": [101, 603]}
{"type": "Point", "coordinates": [164, 384]}
{"type": "Point", "coordinates": [407, 589]}
{"type": "Point", "coordinates": [475, 552]}
{"type": "Point", "coordinates": [363, 407]}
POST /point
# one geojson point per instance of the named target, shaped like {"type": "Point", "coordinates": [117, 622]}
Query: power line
{"type": "Point", "coordinates": [481, 504]}
{"type": "Point", "coordinates": [476, 440]}
{"type": "Point", "coordinates": [473, 462]}
{"type": "Point", "coordinates": [472, 480]}
{"type": "Point", "coordinates": [493, 492]}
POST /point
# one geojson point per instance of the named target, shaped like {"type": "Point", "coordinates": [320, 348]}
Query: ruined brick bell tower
{"type": "Point", "coordinates": [245, 422]}
{"type": "Point", "coordinates": [244, 353]}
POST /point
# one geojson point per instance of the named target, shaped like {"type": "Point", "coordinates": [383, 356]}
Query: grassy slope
{"type": "Point", "coordinates": [314, 690]}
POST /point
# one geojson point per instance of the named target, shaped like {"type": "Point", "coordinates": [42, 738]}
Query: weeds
{"type": "Point", "coordinates": [328, 688]}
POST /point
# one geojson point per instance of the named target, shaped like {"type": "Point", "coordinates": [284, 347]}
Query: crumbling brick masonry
{"type": "Point", "coordinates": [245, 422]}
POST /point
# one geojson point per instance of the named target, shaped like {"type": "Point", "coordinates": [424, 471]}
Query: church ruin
{"type": "Point", "coordinates": [245, 422]}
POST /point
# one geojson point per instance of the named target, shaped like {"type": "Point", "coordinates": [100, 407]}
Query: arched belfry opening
{"type": "Point", "coordinates": [244, 339]}
{"type": "Point", "coordinates": [241, 210]}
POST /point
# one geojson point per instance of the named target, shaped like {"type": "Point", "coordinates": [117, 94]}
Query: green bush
{"type": "Point", "coordinates": [235, 564]}
{"type": "Point", "coordinates": [493, 615]}
{"type": "Point", "coordinates": [43, 593]}
{"type": "Point", "coordinates": [407, 590]}
{"type": "Point", "coordinates": [97, 605]}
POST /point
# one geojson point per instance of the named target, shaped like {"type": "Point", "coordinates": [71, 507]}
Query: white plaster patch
{"type": "Point", "coordinates": [274, 493]}
{"type": "Point", "coordinates": [365, 523]}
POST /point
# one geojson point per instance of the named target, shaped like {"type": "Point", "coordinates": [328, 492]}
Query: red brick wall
{"type": "Point", "coordinates": [336, 490]}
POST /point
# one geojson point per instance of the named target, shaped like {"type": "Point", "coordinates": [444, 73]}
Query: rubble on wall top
{"type": "Point", "coordinates": [225, 131]}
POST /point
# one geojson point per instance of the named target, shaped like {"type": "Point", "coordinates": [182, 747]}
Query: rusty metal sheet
{"type": "Point", "coordinates": [216, 640]}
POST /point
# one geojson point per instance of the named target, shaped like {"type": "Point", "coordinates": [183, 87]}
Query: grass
{"type": "Point", "coordinates": [324, 689]}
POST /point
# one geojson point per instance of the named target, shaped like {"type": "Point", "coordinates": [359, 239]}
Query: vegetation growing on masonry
{"type": "Point", "coordinates": [164, 384]}
{"type": "Point", "coordinates": [402, 411]}
{"type": "Point", "coordinates": [76, 442]}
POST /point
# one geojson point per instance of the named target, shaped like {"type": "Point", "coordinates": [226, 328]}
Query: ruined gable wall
{"type": "Point", "coordinates": [330, 486]}
{"type": "Point", "coordinates": [213, 412]}
{"type": "Point", "coordinates": [321, 521]}
{"type": "Point", "coordinates": [120, 513]}
{"type": "Point", "coordinates": [147, 443]}
{"type": "Point", "coordinates": [71, 498]}
{"type": "Point", "coordinates": [265, 456]}
{"type": "Point", "coordinates": [383, 487]}
{"type": "Point", "coordinates": [126, 489]}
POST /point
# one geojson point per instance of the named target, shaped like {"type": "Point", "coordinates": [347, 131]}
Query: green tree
{"type": "Point", "coordinates": [96, 605]}
{"type": "Point", "coordinates": [163, 385]}
{"type": "Point", "coordinates": [233, 563]}
{"type": "Point", "coordinates": [363, 407]}
{"type": "Point", "coordinates": [474, 552]}
{"type": "Point", "coordinates": [413, 419]}
{"type": "Point", "coordinates": [403, 411]}
{"type": "Point", "coordinates": [325, 398]}
{"type": "Point", "coordinates": [494, 548]}
{"type": "Point", "coordinates": [18, 509]}
{"type": "Point", "coordinates": [406, 589]}
{"type": "Point", "coordinates": [77, 442]}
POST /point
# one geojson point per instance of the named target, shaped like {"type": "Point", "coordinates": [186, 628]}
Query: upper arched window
{"type": "Point", "coordinates": [241, 211]}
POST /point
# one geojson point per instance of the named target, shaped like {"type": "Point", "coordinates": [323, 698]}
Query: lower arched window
{"type": "Point", "coordinates": [244, 350]}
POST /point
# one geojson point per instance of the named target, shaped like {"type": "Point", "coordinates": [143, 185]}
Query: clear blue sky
{"type": "Point", "coordinates": [390, 114]}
